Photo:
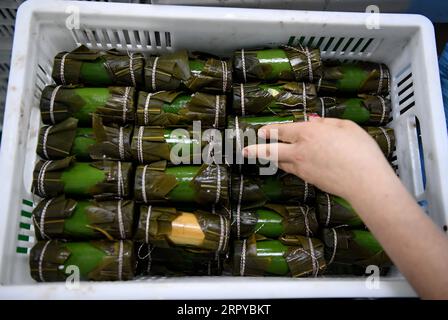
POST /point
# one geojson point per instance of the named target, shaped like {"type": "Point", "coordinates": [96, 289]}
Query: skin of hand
{"type": "Point", "coordinates": [312, 150]}
{"type": "Point", "coordinates": [339, 157]}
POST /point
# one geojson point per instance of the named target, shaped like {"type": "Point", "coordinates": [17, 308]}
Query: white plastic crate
{"type": "Point", "coordinates": [8, 11]}
{"type": "Point", "coordinates": [404, 42]}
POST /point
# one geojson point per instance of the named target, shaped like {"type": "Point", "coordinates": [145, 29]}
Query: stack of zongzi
{"type": "Point", "coordinates": [130, 185]}
{"type": "Point", "coordinates": [289, 84]}
{"type": "Point", "coordinates": [86, 216]}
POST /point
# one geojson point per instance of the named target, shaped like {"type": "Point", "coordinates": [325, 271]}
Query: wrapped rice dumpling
{"type": "Point", "coordinates": [174, 109]}
{"type": "Point", "coordinates": [167, 227]}
{"type": "Point", "coordinates": [150, 144]}
{"type": "Point", "coordinates": [364, 109]}
{"type": "Point", "coordinates": [274, 220]}
{"type": "Point", "coordinates": [209, 74]}
{"type": "Point", "coordinates": [204, 185]}
{"type": "Point", "coordinates": [385, 138]}
{"type": "Point", "coordinates": [112, 104]}
{"type": "Point", "coordinates": [82, 144]}
{"type": "Point", "coordinates": [98, 68]}
{"type": "Point", "coordinates": [177, 261]}
{"type": "Point", "coordinates": [98, 260]}
{"type": "Point", "coordinates": [356, 247]}
{"type": "Point", "coordinates": [286, 63]}
{"type": "Point", "coordinates": [65, 139]}
{"type": "Point", "coordinates": [272, 99]}
{"type": "Point", "coordinates": [176, 70]}
{"type": "Point", "coordinates": [354, 77]}
{"type": "Point", "coordinates": [335, 211]}
{"type": "Point", "coordinates": [100, 179]}
{"type": "Point", "coordinates": [63, 218]}
{"type": "Point", "coordinates": [245, 130]}
{"type": "Point", "coordinates": [166, 72]}
{"type": "Point", "coordinates": [255, 191]}
{"type": "Point", "coordinates": [294, 256]}
{"type": "Point", "coordinates": [113, 142]}
{"type": "Point", "coordinates": [102, 142]}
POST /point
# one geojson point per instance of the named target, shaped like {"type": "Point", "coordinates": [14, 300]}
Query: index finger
{"type": "Point", "coordinates": [286, 132]}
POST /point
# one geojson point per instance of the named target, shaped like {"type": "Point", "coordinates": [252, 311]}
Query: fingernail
{"type": "Point", "coordinates": [245, 152]}
{"type": "Point", "coordinates": [261, 133]}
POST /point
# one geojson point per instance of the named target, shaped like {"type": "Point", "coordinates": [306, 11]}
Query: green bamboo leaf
{"type": "Point", "coordinates": [169, 227]}
{"type": "Point", "coordinates": [112, 104]}
{"type": "Point", "coordinates": [176, 261]}
{"type": "Point", "coordinates": [354, 77]}
{"type": "Point", "coordinates": [102, 179]}
{"type": "Point", "coordinates": [64, 218]}
{"type": "Point", "coordinates": [356, 247]}
{"type": "Point", "coordinates": [287, 63]}
{"type": "Point", "coordinates": [96, 260]}
{"type": "Point", "coordinates": [294, 256]}
{"type": "Point", "coordinates": [274, 220]}
{"type": "Point", "coordinates": [176, 109]}
{"type": "Point", "coordinates": [98, 68]}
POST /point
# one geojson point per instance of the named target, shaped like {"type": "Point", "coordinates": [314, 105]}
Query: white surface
{"type": "Point", "coordinates": [404, 42]}
{"type": "Point", "coordinates": [211, 288]}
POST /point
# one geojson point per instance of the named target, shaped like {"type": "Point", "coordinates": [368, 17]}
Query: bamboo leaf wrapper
{"type": "Point", "coordinates": [101, 179]}
{"type": "Point", "coordinates": [102, 142]}
{"type": "Point", "coordinates": [274, 220]}
{"type": "Point", "coordinates": [174, 109]}
{"type": "Point", "coordinates": [256, 191]}
{"type": "Point", "coordinates": [166, 72]}
{"type": "Point", "coordinates": [272, 99]}
{"type": "Point", "coordinates": [286, 63]}
{"type": "Point", "coordinates": [98, 68]}
{"type": "Point", "coordinates": [112, 104]}
{"type": "Point", "coordinates": [210, 74]}
{"type": "Point", "coordinates": [364, 109]}
{"type": "Point", "coordinates": [294, 256]}
{"type": "Point", "coordinates": [175, 71]}
{"type": "Point", "coordinates": [355, 77]}
{"type": "Point", "coordinates": [151, 144]}
{"type": "Point", "coordinates": [385, 137]}
{"type": "Point", "coordinates": [204, 185]}
{"type": "Point", "coordinates": [112, 142]}
{"type": "Point", "coordinates": [70, 219]}
{"type": "Point", "coordinates": [97, 260]}
{"type": "Point", "coordinates": [167, 227]}
{"type": "Point", "coordinates": [56, 142]}
{"type": "Point", "coordinates": [243, 126]}
{"type": "Point", "coordinates": [335, 211]}
{"type": "Point", "coordinates": [177, 261]}
{"type": "Point", "coordinates": [356, 247]}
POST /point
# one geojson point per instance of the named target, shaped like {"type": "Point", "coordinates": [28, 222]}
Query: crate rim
{"type": "Point", "coordinates": [31, 9]}
{"type": "Point", "coordinates": [206, 288]}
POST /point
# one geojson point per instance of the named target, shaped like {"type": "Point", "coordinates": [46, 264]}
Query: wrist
{"type": "Point", "coordinates": [372, 189]}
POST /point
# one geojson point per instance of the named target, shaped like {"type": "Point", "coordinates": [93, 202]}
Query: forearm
{"type": "Point", "coordinates": [340, 158]}
{"type": "Point", "coordinates": [413, 242]}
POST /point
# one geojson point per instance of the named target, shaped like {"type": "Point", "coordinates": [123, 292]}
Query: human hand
{"type": "Point", "coordinates": [337, 156]}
